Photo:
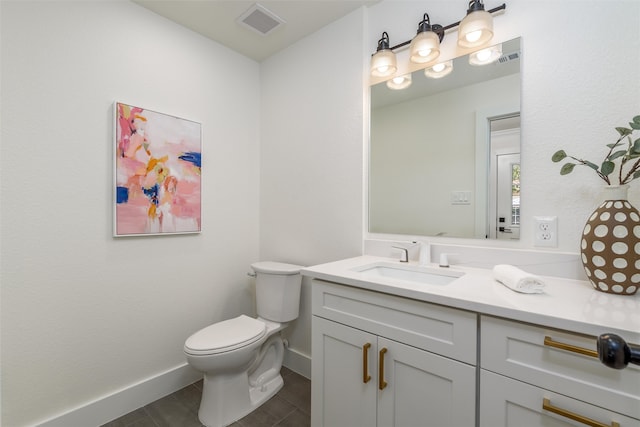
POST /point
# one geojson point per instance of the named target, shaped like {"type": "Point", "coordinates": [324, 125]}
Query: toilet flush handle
{"type": "Point", "coordinates": [251, 274]}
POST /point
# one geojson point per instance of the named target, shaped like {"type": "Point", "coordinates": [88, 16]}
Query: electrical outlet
{"type": "Point", "coordinates": [545, 233]}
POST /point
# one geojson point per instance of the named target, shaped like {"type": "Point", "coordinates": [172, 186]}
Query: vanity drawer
{"type": "Point", "coordinates": [518, 350]}
{"type": "Point", "coordinates": [445, 331]}
{"type": "Point", "coordinates": [505, 402]}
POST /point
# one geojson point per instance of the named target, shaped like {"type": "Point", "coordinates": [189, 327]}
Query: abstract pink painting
{"type": "Point", "coordinates": [157, 173]}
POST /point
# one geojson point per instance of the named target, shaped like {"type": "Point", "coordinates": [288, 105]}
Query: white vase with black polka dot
{"type": "Point", "coordinates": [610, 246]}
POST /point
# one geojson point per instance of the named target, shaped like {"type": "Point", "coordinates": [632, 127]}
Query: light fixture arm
{"type": "Point", "coordinates": [383, 43]}
{"type": "Point", "coordinates": [475, 5]}
{"type": "Point", "coordinates": [425, 25]}
{"type": "Point", "coordinates": [439, 29]}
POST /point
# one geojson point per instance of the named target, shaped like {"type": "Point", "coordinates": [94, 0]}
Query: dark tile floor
{"type": "Point", "coordinates": [290, 407]}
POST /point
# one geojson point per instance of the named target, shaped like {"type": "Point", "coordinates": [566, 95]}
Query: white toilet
{"type": "Point", "coordinates": [241, 357]}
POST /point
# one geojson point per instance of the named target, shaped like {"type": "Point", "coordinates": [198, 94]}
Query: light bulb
{"type": "Point", "coordinates": [475, 29]}
{"type": "Point", "coordinates": [439, 70]}
{"type": "Point", "coordinates": [473, 36]}
{"type": "Point", "coordinates": [425, 47]}
{"type": "Point", "coordinates": [383, 63]}
{"type": "Point", "coordinates": [484, 54]}
{"type": "Point", "coordinates": [399, 82]}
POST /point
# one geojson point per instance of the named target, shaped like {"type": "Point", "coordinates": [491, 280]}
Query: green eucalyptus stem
{"type": "Point", "coordinates": [622, 162]}
{"type": "Point", "coordinates": [585, 163]}
{"type": "Point", "coordinates": [634, 168]}
{"type": "Point", "coordinates": [616, 157]}
{"type": "Point", "coordinates": [614, 146]}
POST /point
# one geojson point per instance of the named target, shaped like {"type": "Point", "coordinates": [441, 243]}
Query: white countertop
{"type": "Point", "coordinates": [565, 304]}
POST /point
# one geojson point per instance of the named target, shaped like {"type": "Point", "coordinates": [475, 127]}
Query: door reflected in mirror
{"type": "Point", "coordinates": [444, 153]}
{"type": "Point", "coordinates": [504, 179]}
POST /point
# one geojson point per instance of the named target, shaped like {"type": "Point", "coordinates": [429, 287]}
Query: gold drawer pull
{"type": "Point", "coordinates": [548, 341]}
{"type": "Point", "coordinates": [547, 406]}
{"type": "Point", "coordinates": [381, 382]}
{"type": "Point", "coordinates": [365, 363]}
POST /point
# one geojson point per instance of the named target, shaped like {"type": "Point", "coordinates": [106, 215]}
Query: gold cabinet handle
{"type": "Point", "coordinates": [365, 363]}
{"type": "Point", "coordinates": [381, 382]}
{"type": "Point", "coordinates": [547, 406]}
{"type": "Point", "coordinates": [548, 341]}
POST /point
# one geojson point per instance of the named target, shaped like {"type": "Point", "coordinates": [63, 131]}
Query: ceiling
{"type": "Point", "coordinates": [217, 20]}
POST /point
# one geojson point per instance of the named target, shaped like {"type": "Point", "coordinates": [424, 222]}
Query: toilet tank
{"type": "Point", "coordinates": [277, 290]}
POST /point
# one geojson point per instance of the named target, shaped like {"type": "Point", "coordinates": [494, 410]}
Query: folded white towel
{"type": "Point", "coordinates": [518, 280]}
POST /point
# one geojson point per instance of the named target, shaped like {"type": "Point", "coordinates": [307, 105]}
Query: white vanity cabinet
{"type": "Point", "coordinates": [536, 376]}
{"type": "Point", "coordinates": [469, 353]}
{"type": "Point", "coordinates": [381, 360]}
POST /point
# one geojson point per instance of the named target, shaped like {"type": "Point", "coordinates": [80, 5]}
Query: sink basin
{"type": "Point", "coordinates": [411, 273]}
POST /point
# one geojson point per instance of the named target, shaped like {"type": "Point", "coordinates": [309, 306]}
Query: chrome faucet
{"type": "Point", "coordinates": [405, 254]}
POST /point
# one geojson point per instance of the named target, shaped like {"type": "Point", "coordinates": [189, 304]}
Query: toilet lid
{"type": "Point", "coordinates": [271, 267]}
{"type": "Point", "coordinates": [225, 336]}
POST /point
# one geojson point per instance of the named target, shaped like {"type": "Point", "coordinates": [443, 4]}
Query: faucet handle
{"type": "Point", "coordinates": [405, 253]}
{"type": "Point", "coordinates": [444, 260]}
{"type": "Point", "coordinates": [425, 253]}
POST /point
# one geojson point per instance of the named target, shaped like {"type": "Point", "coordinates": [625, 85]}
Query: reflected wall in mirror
{"type": "Point", "coordinates": [444, 153]}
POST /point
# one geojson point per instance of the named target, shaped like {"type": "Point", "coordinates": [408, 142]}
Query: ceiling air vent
{"type": "Point", "coordinates": [260, 19]}
{"type": "Point", "coordinates": [509, 57]}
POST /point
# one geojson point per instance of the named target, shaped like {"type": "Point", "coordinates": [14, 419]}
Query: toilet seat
{"type": "Point", "coordinates": [225, 336]}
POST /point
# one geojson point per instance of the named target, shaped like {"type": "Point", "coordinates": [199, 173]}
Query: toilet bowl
{"type": "Point", "coordinates": [241, 357]}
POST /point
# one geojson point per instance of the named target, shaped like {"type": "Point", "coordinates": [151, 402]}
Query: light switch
{"type": "Point", "coordinates": [461, 197]}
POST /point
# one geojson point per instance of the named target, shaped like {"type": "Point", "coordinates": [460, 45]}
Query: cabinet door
{"type": "Point", "coordinates": [424, 389]}
{"type": "Point", "coordinates": [505, 402]}
{"type": "Point", "coordinates": [340, 396]}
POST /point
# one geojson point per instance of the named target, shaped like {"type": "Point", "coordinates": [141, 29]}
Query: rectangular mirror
{"type": "Point", "coordinates": [445, 152]}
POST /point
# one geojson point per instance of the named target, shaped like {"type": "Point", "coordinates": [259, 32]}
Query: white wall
{"type": "Point", "coordinates": [311, 154]}
{"type": "Point", "coordinates": [84, 314]}
{"type": "Point", "coordinates": [578, 83]}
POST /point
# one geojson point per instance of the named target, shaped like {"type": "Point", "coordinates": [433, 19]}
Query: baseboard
{"type": "Point", "coordinates": [297, 362]}
{"type": "Point", "coordinates": [130, 398]}
{"type": "Point", "coordinates": [114, 405]}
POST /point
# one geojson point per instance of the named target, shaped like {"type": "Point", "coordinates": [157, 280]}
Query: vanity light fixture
{"type": "Point", "coordinates": [439, 70]}
{"type": "Point", "coordinates": [425, 46]}
{"type": "Point", "coordinates": [477, 27]}
{"type": "Point", "coordinates": [475, 30]}
{"type": "Point", "coordinates": [399, 82]}
{"type": "Point", "coordinates": [383, 62]}
{"type": "Point", "coordinates": [486, 56]}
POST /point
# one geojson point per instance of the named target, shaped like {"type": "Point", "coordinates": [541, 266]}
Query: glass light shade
{"type": "Point", "coordinates": [399, 82]}
{"type": "Point", "coordinates": [486, 56]}
{"type": "Point", "coordinates": [383, 63]}
{"type": "Point", "coordinates": [475, 29]}
{"type": "Point", "coordinates": [439, 70]}
{"type": "Point", "coordinates": [425, 47]}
